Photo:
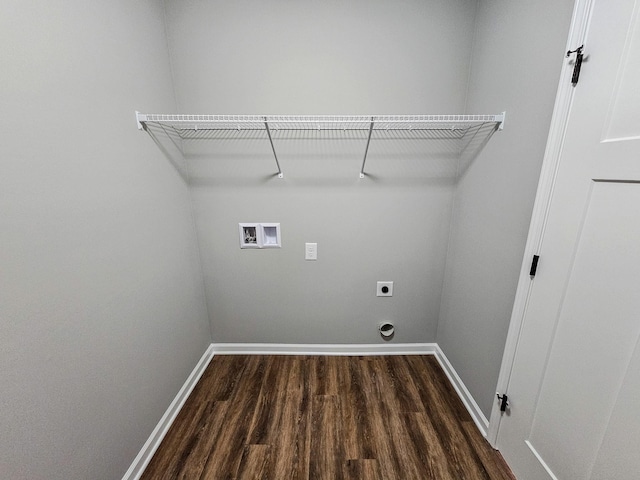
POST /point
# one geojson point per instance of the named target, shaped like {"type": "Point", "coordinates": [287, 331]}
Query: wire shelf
{"type": "Point", "coordinates": [193, 127]}
{"type": "Point", "coordinates": [318, 122]}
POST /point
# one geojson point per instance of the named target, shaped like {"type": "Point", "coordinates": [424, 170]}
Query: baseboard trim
{"type": "Point", "coordinates": [153, 442]}
{"type": "Point", "coordinates": [324, 349]}
{"type": "Point", "coordinates": [467, 399]}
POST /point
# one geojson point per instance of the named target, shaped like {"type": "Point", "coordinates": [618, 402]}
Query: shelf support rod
{"type": "Point", "coordinates": [366, 150]}
{"type": "Point", "coordinates": [266, 124]}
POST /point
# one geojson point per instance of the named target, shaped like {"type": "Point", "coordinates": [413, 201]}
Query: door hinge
{"type": "Point", "coordinates": [576, 66]}
{"type": "Point", "coordinates": [534, 265]}
{"type": "Point", "coordinates": [504, 401]}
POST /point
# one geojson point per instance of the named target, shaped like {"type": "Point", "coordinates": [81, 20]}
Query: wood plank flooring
{"type": "Point", "coordinates": [323, 417]}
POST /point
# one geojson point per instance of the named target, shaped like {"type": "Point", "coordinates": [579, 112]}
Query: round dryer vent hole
{"type": "Point", "coordinates": [386, 330]}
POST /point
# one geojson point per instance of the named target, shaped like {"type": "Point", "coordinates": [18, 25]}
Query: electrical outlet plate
{"type": "Point", "coordinates": [384, 289]}
{"type": "Point", "coordinates": [311, 251]}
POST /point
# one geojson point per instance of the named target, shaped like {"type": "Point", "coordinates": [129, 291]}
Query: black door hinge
{"type": "Point", "coordinates": [534, 265]}
{"type": "Point", "coordinates": [576, 66]}
{"type": "Point", "coordinates": [504, 401]}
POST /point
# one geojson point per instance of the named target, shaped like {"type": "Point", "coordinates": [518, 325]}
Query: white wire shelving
{"type": "Point", "coordinates": [461, 128]}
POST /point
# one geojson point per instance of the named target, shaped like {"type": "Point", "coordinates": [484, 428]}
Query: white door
{"type": "Point", "coordinates": [574, 385]}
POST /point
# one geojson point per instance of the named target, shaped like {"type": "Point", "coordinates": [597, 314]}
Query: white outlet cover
{"type": "Point", "coordinates": [311, 251]}
{"type": "Point", "coordinates": [380, 289]}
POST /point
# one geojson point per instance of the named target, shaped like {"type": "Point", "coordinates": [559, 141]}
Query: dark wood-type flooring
{"type": "Point", "coordinates": [324, 417]}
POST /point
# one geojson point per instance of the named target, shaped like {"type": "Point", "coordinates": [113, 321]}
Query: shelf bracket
{"type": "Point", "coordinates": [266, 124]}
{"type": "Point", "coordinates": [366, 150]}
{"type": "Point", "coordinates": [140, 119]}
{"type": "Point", "coordinates": [501, 118]}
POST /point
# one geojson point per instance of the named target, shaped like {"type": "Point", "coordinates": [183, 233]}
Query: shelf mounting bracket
{"type": "Point", "coordinates": [366, 150]}
{"type": "Point", "coordinates": [273, 148]}
{"type": "Point", "coordinates": [140, 118]}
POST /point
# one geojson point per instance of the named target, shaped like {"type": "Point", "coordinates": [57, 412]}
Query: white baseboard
{"type": "Point", "coordinates": [144, 457]}
{"type": "Point", "coordinates": [467, 399]}
{"type": "Point", "coordinates": [153, 442]}
{"type": "Point", "coordinates": [324, 349]}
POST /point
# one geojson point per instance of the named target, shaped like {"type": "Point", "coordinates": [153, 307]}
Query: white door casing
{"type": "Point", "coordinates": [572, 362]}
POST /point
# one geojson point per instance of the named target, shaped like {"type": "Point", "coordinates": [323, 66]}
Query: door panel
{"type": "Point", "coordinates": [596, 334]}
{"type": "Point", "coordinates": [618, 455]}
{"type": "Point", "coordinates": [623, 118]}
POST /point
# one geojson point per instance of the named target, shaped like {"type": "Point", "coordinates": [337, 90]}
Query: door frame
{"type": "Point", "coordinates": [551, 160]}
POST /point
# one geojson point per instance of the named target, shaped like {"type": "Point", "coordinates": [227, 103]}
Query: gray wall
{"type": "Point", "coordinates": [517, 56]}
{"type": "Point", "coordinates": [332, 57]}
{"type": "Point", "coordinates": [102, 312]}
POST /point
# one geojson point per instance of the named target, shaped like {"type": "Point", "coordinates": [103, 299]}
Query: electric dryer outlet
{"type": "Point", "coordinates": [384, 289]}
